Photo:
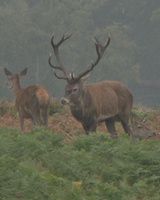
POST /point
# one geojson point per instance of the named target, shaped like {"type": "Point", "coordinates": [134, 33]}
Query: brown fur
{"type": "Point", "coordinates": [107, 101]}
{"type": "Point", "coordinates": [110, 98]}
{"type": "Point", "coordinates": [31, 102]}
{"type": "Point", "coordinates": [141, 131]}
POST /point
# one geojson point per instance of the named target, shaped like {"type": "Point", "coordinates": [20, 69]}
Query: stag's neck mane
{"type": "Point", "coordinates": [81, 106]}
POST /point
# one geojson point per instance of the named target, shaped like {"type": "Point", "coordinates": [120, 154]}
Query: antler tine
{"type": "Point", "coordinates": [96, 42]}
{"type": "Point", "coordinates": [107, 41]}
{"type": "Point", "coordinates": [63, 39]}
{"type": "Point", "coordinates": [55, 67]}
{"type": "Point", "coordinates": [51, 65]}
{"type": "Point", "coordinates": [60, 77]}
{"type": "Point", "coordinates": [100, 49]}
{"type": "Point", "coordinates": [56, 53]}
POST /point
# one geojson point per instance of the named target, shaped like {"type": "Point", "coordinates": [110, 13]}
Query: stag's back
{"type": "Point", "coordinates": [111, 97]}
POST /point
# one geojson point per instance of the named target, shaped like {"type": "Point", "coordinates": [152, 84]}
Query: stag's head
{"type": "Point", "coordinates": [73, 90]}
{"type": "Point", "coordinates": [75, 84]}
{"type": "Point", "coordinates": [12, 78]}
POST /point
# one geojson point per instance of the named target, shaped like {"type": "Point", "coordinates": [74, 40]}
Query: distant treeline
{"type": "Point", "coordinates": [132, 57]}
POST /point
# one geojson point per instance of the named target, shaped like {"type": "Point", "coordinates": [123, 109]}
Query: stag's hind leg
{"type": "Point", "coordinates": [110, 123]}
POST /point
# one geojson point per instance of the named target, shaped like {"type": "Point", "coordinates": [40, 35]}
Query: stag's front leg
{"type": "Point", "coordinates": [90, 127]}
{"type": "Point", "coordinates": [126, 127]}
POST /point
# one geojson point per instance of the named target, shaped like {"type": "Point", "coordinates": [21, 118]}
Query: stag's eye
{"type": "Point", "coordinates": [74, 90]}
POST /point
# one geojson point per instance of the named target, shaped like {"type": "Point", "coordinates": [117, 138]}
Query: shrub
{"type": "Point", "coordinates": [139, 112]}
{"type": "Point", "coordinates": [7, 108]}
{"type": "Point", "coordinates": [55, 107]}
{"type": "Point", "coordinates": [43, 165]}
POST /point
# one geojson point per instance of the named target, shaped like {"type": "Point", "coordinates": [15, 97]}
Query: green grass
{"type": "Point", "coordinates": [44, 165]}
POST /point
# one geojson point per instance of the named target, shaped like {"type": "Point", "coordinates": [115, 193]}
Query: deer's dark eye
{"type": "Point", "coordinates": [74, 90]}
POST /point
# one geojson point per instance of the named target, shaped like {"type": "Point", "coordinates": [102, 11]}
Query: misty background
{"type": "Point", "coordinates": [133, 56]}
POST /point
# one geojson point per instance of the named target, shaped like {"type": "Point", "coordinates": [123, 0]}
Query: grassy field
{"type": "Point", "coordinates": [44, 165]}
{"type": "Point", "coordinates": [62, 163]}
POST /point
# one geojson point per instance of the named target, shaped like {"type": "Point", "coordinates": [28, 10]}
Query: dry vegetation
{"type": "Point", "coordinates": [61, 120]}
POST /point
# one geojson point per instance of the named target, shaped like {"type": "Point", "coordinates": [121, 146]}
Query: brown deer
{"type": "Point", "coordinates": [140, 130]}
{"type": "Point", "coordinates": [107, 101]}
{"type": "Point", "coordinates": [31, 102]}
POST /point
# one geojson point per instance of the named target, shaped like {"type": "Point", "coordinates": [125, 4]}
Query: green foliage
{"type": "Point", "coordinates": [43, 165]}
{"type": "Point", "coordinates": [56, 107]}
{"type": "Point", "coordinates": [139, 113]}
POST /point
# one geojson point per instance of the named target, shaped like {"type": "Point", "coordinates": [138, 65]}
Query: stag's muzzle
{"type": "Point", "coordinates": [64, 101]}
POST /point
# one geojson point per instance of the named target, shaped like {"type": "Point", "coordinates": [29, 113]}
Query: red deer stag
{"type": "Point", "coordinates": [31, 102]}
{"type": "Point", "coordinates": [107, 101]}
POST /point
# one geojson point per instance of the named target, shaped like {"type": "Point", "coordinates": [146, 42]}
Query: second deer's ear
{"type": "Point", "coordinates": [24, 72]}
{"type": "Point", "coordinates": [133, 120]}
{"type": "Point", "coordinates": [7, 72]}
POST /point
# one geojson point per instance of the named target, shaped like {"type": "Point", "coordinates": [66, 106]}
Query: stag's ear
{"type": "Point", "coordinates": [23, 72]}
{"type": "Point", "coordinates": [7, 72]}
{"type": "Point", "coordinates": [85, 78]}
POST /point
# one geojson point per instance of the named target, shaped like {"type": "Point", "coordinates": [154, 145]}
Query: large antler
{"type": "Point", "coordinates": [56, 53]}
{"type": "Point", "coordinates": [100, 50]}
